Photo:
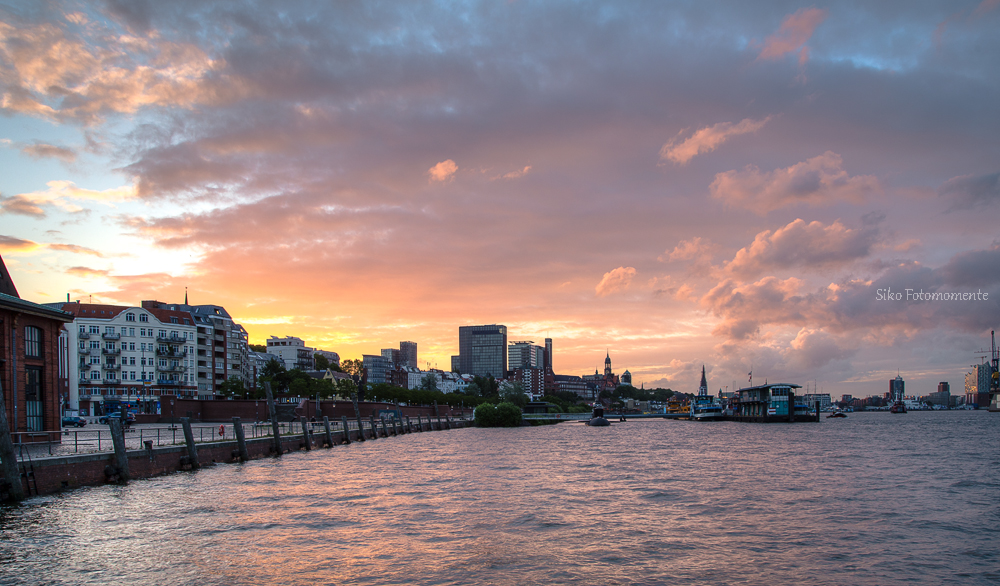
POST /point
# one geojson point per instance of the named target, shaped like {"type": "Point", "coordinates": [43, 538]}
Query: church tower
{"type": "Point", "coordinates": [607, 365]}
{"type": "Point", "coordinates": [703, 387]}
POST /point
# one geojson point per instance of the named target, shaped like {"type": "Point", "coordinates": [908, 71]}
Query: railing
{"type": "Point", "coordinates": [110, 336]}
{"type": "Point", "coordinates": [83, 335]}
{"type": "Point", "coordinates": [111, 351]}
{"type": "Point", "coordinates": [171, 340]}
{"type": "Point", "coordinates": [171, 353]}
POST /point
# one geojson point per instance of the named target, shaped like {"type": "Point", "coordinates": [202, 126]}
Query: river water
{"type": "Point", "coordinates": [875, 498]}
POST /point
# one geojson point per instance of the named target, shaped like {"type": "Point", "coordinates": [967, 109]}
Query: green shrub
{"type": "Point", "coordinates": [508, 415]}
{"type": "Point", "coordinates": [486, 415]}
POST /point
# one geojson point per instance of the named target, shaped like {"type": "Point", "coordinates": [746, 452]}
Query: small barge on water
{"type": "Point", "coordinates": [772, 403]}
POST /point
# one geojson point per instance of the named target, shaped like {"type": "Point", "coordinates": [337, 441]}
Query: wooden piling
{"type": "Point", "coordinates": [347, 430]}
{"type": "Point", "coordinates": [385, 430]}
{"type": "Point", "coordinates": [189, 440]}
{"type": "Point", "coordinates": [120, 457]}
{"type": "Point", "coordinates": [241, 440]}
{"type": "Point", "coordinates": [272, 413]}
{"type": "Point", "coordinates": [305, 433]}
{"type": "Point", "coordinates": [15, 492]}
{"type": "Point", "coordinates": [329, 434]}
{"type": "Point", "coordinates": [447, 418]}
{"type": "Point", "coordinates": [440, 425]}
{"type": "Point", "coordinates": [371, 421]}
{"type": "Point", "coordinates": [409, 426]}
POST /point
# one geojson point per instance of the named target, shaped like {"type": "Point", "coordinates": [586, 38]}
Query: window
{"type": "Point", "coordinates": [83, 345]}
{"type": "Point", "coordinates": [83, 329]}
{"type": "Point", "coordinates": [95, 374]}
{"type": "Point", "coordinates": [131, 332]}
{"type": "Point", "coordinates": [95, 345]}
{"type": "Point", "coordinates": [111, 375]}
{"type": "Point", "coordinates": [174, 320]}
{"type": "Point", "coordinates": [109, 329]}
{"type": "Point", "coordinates": [95, 359]}
{"type": "Point", "coordinates": [124, 331]}
{"type": "Point", "coordinates": [32, 342]}
{"type": "Point", "coordinates": [131, 360]}
{"type": "Point", "coordinates": [129, 317]}
{"type": "Point", "coordinates": [143, 317]}
{"type": "Point", "coordinates": [142, 361]}
{"type": "Point", "coordinates": [95, 330]}
{"type": "Point", "coordinates": [131, 346]}
{"type": "Point", "coordinates": [33, 397]}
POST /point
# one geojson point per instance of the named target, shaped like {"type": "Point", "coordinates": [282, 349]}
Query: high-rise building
{"type": "Point", "coordinates": [525, 355]}
{"type": "Point", "coordinates": [292, 351]}
{"type": "Point", "coordinates": [482, 350]}
{"type": "Point", "coordinates": [548, 356]}
{"type": "Point", "coordinates": [896, 389]}
{"type": "Point", "coordinates": [408, 354]}
{"type": "Point", "coordinates": [977, 386]}
{"type": "Point", "coordinates": [376, 367]}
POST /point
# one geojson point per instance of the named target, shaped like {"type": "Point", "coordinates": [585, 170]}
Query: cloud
{"type": "Point", "coordinates": [443, 171]}
{"type": "Point", "coordinates": [614, 281]}
{"type": "Point", "coordinates": [76, 249]}
{"type": "Point", "coordinates": [968, 192]}
{"type": "Point", "coordinates": [12, 244]}
{"type": "Point", "coordinates": [707, 139]}
{"type": "Point", "coordinates": [513, 174]}
{"type": "Point", "coordinates": [801, 245]}
{"type": "Point", "coordinates": [791, 37]}
{"type": "Point", "coordinates": [817, 181]}
{"type": "Point", "coordinates": [41, 150]}
{"type": "Point", "coordinates": [86, 272]}
{"type": "Point", "coordinates": [60, 72]}
{"type": "Point", "coordinates": [61, 194]}
{"type": "Point", "coordinates": [698, 248]}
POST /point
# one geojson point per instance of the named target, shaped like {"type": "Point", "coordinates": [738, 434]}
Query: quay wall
{"type": "Point", "coordinates": [53, 474]}
{"type": "Point", "coordinates": [221, 411]}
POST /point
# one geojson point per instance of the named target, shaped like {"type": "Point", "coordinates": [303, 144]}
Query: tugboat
{"type": "Point", "coordinates": [597, 418]}
{"type": "Point", "coordinates": [897, 407]}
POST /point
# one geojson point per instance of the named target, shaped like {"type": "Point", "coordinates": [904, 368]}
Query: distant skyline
{"type": "Point", "coordinates": [738, 185]}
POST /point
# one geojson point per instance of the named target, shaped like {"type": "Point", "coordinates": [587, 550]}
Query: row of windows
{"type": "Point", "coordinates": [139, 376]}
{"type": "Point", "coordinates": [143, 332]}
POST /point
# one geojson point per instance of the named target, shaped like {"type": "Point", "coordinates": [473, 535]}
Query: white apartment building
{"type": "Point", "coordinates": [293, 351]}
{"type": "Point", "coordinates": [222, 348]}
{"type": "Point", "coordinates": [120, 354]}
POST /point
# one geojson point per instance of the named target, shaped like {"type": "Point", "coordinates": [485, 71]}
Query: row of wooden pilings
{"type": "Point", "coordinates": [117, 470]}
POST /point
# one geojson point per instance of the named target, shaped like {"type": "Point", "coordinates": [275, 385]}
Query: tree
{"type": "Point", "coordinates": [429, 383]}
{"type": "Point", "coordinates": [513, 392]}
{"type": "Point", "coordinates": [258, 348]}
{"type": "Point", "coordinates": [345, 387]}
{"type": "Point", "coordinates": [232, 387]}
{"type": "Point", "coordinates": [322, 362]}
{"type": "Point", "coordinates": [352, 367]}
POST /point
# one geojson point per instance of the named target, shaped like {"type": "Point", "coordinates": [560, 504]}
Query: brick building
{"type": "Point", "coordinates": [29, 363]}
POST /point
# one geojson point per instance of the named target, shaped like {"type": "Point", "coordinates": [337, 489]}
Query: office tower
{"type": "Point", "coordinates": [482, 350]}
{"type": "Point", "coordinates": [408, 354]}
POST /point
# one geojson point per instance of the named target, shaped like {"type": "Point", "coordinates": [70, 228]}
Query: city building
{"type": "Point", "coordinates": [825, 402]}
{"type": "Point", "coordinates": [392, 356]}
{"type": "Point", "coordinates": [977, 386]}
{"type": "Point", "coordinates": [333, 357]}
{"type": "Point", "coordinates": [30, 368]}
{"type": "Point", "coordinates": [222, 346]}
{"type": "Point", "coordinates": [627, 378]}
{"type": "Point", "coordinates": [482, 350]}
{"type": "Point", "coordinates": [408, 354]}
{"type": "Point", "coordinates": [525, 355]}
{"type": "Point", "coordinates": [574, 384]}
{"type": "Point", "coordinates": [608, 381]}
{"type": "Point", "coordinates": [897, 389]}
{"type": "Point", "coordinates": [532, 381]}
{"type": "Point", "coordinates": [376, 367]}
{"type": "Point", "coordinates": [121, 355]}
{"type": "Point", "coordinates": [292, 351]}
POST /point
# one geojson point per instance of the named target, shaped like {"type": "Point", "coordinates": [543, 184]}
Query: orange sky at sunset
{"type": "Point", "coordinates": [735, 185]}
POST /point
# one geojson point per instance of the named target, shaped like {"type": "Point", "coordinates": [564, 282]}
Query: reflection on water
{"type": "Point", "coordinates": [872, 499]}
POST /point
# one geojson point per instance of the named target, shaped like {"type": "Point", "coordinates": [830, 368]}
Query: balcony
{"type": "Point", "coordinates": [177, 368]}
{"type": "Point", "coordinates": [83, 351]}
{"type": "Point", "coordinates": [168, 383]}
{"type": "Point", "coordinates": [83, 336]}
{"type": "Point", "coordinates": [111, 366]}
{"type": "Point", "coordinates": [111, 351]}
{"type": "Point", "coordinates": [171, 353]}
{"type": "Point", "coordinates": [171, 340]}
{"type": "Point", "coordinates": [84, 367]}
{"type": "Point", "coordinates": [111, 336]}
{"type": "Point", "coordinates": [112, 381]}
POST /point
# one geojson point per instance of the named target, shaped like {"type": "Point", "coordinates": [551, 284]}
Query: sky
{"type": "Point", "coordinates": [739, 185]}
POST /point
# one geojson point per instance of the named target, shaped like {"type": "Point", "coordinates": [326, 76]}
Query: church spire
{"type": "Point", "coordinates": [703, 387]}
{"type": "Point", "coordinates": [185, 295]}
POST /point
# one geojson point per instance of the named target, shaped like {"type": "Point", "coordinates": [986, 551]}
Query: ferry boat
{"type": "Point", "coordinates": [898, 407]}
{"type": "Point", "coordinates": [704, 406]}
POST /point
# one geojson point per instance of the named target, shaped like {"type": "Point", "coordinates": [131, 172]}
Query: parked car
{"type": "Point", "coordinates": [129, 419]}
{"type": "Point", "coordinates": [73, 422]}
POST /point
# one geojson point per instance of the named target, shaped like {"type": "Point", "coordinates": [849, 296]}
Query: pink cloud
{"type": "Point", "coordinates": [613, 281]}
{"type": "Point", "coordinates": [443, 171]}
{"type": "Point", "coordinates": [817, 181]}
{"type": "Point", "coordinates": [791, 37]}
{"type": "Point", "coordinates": [804, 245]}
{"type": "Point", "coordinates": [707, 139]}
{"type": "Point", "coordinates": [698, 248]}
